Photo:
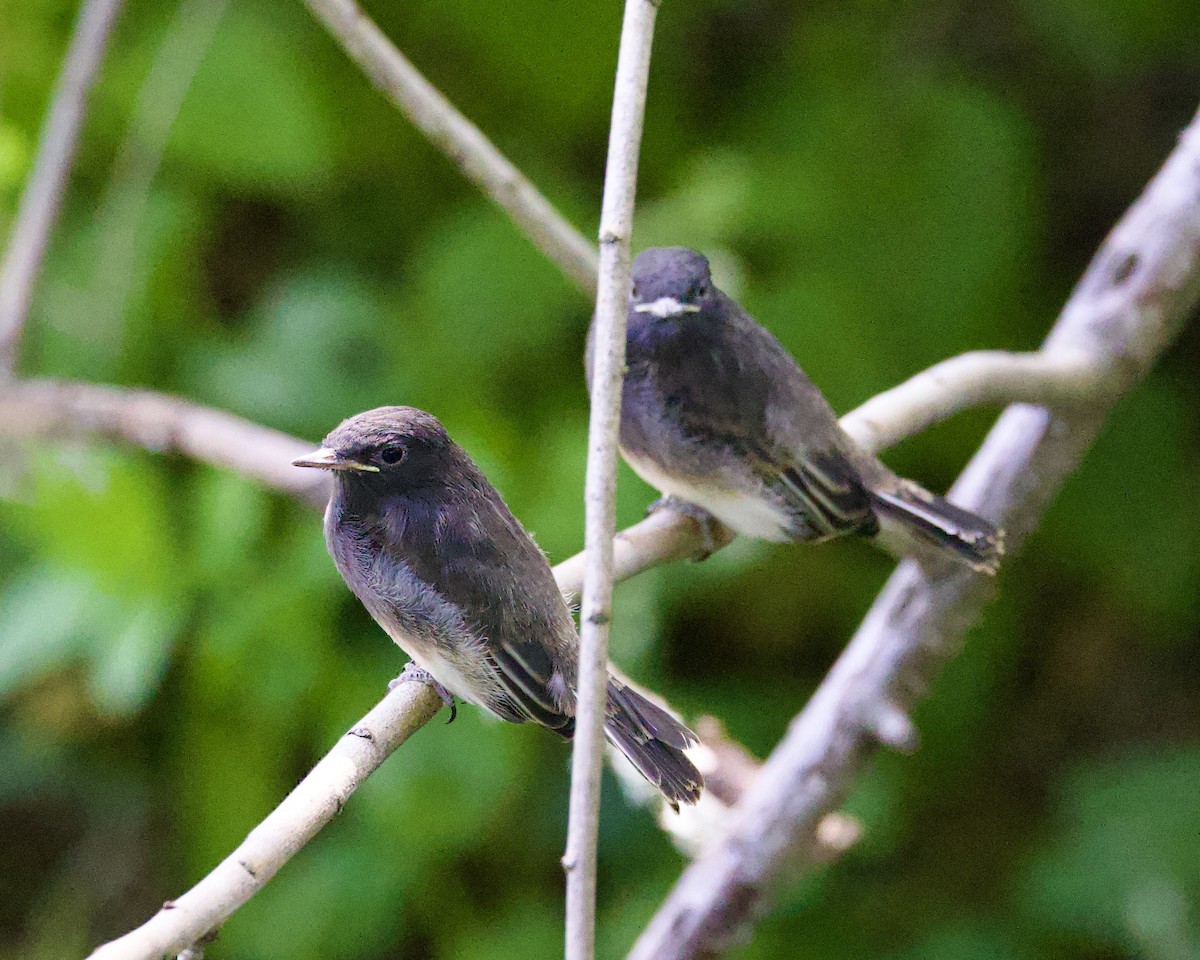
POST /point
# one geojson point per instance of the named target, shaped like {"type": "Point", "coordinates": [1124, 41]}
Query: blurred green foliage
{"type": "Point", "coordinates": [882, 184]}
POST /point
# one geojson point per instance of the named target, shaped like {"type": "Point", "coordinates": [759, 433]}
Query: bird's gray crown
{"type": "Point", "coordinates": [669, 281]}
{"type": "Point", "coordinates": [383, 426]}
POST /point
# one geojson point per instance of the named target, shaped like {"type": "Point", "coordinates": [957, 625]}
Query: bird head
{"type": "Point", "coordinates": [397, 448]}
{"type": "Point", "coordinates": [670, 282]}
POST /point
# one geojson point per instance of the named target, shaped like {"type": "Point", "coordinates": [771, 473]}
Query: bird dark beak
{"type": "Point", "coordinates": [326, 459]}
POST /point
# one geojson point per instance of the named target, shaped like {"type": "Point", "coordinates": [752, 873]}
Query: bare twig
{"type": "Point", "coordinates": [48, 178]}
{"type": "Point", "coordinates": [600, 486]}
{"type": "Point", "coordinates": [1049, 378]}
{"type": "Point", "coordinates": [1134, 299]}
{"type": "Point", "coordinates": [1053, 377]}
{"type": "Point", "coordinates": [462, 141]}
{"type": "Point", "coordinates": [159, 422]}
{"type": "Point", "coordinates": [61, 410]}
{"type": "Point", "coordinates": [314, 802]}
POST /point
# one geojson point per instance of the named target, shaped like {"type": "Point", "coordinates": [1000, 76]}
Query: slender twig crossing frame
{"type": "Point", "coordinates": [44, 410]}
{"type": "Point", "coordinates": [600, 484]}
{"type": "Point", "coordinates": [456, 136]}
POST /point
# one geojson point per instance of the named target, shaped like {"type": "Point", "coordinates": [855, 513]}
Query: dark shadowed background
{"type": "Point", "coordinates": [883, 185]}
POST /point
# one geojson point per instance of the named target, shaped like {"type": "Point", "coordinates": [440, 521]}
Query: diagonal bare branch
{"type": "Point", "coordinates": [1133, 300]}
{"type": "Point", "coordinates": [48, 178]}
{"type": "Point", "coordinates": [316, 800]}
{"type": "Point", "coordinates": [457, 137]}
{"type": "Point", "coordinates": [59, 410]}
{"type": "Point", "coordinates": [600, 485]}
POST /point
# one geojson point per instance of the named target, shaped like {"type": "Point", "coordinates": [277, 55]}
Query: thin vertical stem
{"type": "Point", "coordinates": [616, 226]}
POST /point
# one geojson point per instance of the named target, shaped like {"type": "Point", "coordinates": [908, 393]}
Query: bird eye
{"type": "Point", "coordinates": [702, 290]}
{"type": "Point", "coordinates": [392, 455]}
{"type": "Point", "coordinates": [633, 291]}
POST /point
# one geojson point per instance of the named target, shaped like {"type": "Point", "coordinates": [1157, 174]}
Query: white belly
{"type": "Point", "coordinates": [749, 515]}
{"type": "Point", "coordinates": [441, 669]}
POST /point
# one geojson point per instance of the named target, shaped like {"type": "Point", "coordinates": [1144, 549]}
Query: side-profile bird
{"type": "Point", "coordinates": [430, 548]}
{"type": "Point", "coordinates": [717, 414]}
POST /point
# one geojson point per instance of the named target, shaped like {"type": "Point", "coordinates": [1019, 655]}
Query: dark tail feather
{"type": "Point", "coordinates": [930, 519]}
{"type": "Point", "coordinates": [654, 742]}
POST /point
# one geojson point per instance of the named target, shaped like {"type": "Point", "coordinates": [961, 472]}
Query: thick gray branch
{"type": "Point", "coordinates": [1133, 300]}
{"type": "Point", "coordinates": [463, 142]}
{"type": "Point", "coordinates": [48, 178]}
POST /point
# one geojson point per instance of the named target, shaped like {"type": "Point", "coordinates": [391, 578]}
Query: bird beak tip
{"type": "Point", "coordinates": [323, 459]}
{"type": "Point", "coordinates": [327, 459]}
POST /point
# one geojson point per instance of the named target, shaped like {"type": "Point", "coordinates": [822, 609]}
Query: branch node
{"type": "Point", "coordinates": [1124, 269]}
{"type": "Point", "coordinates": [892, 726]}
{"type": "Point", "coordinates": [837, 833]}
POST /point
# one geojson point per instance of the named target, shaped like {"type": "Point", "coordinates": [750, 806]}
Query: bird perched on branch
{"type": "Point", "coordinates": [432, 551]}
{"type": "Point", "coordinates": [716, 414]}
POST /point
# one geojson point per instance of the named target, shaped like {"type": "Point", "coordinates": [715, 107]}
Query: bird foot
{"type": "Point", "coordinates": [713, 534]}
{"type": "Point", "coordinates": [415, 673]}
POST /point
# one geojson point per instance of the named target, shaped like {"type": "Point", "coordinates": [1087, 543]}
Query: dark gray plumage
{"type": "Point", "coordinates": [432, 551]}
{"type": "Point", "coordinates": [715, 412]}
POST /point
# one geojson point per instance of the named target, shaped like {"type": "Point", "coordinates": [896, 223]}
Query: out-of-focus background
{"type": "Point", "coordinates": [883, 185]}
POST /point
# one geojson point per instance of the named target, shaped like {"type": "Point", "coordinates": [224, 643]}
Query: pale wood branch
{"type": "Point", "coordinates": [58, 410]}
{"type": "Point", "coordinates": [55, 411]}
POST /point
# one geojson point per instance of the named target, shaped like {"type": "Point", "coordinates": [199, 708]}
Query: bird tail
{"type": "Point", "coordinates": [912, 515]}
{"type": "Point", "coordinates": [654, 741]}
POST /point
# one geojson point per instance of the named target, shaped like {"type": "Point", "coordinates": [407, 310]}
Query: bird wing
{"type": "Point", "coordinates": [820, 487]}
{"type": "Point", "coordinates": [751, 396]}
{"type": "Point", "coordinates": [482, 563]}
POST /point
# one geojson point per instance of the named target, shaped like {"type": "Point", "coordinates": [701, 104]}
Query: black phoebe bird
{"type": "Point", "coordinates": [717, 414]}
{"type": "Point", "coordinates": [432, 551]}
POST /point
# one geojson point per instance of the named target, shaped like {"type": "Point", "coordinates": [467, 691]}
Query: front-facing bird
{"type": "Point", "coordinates": [432, 551]}
{"type": "Point", "coordinates": [716, 413]}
